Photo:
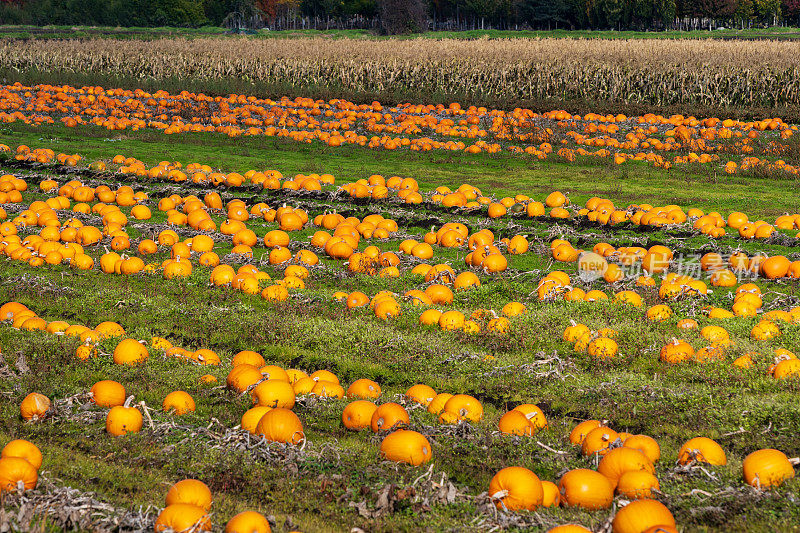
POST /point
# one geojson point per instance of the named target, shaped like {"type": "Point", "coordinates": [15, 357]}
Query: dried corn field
{"type": "Point", "coordinates": [720, 74]}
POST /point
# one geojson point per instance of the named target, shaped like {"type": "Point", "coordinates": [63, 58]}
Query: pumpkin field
{"type": "Point", "coordinates": [241, 313]}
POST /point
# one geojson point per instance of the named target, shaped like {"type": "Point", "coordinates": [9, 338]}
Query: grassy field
{"type": "Point", "coordinates": [337, 481]}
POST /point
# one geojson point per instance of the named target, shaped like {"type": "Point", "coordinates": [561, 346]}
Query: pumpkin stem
{"type": "Point", "coordinates": [499, 495]}
{"type": "Point", "coordinates": [128, 401]}
{"type": "Point", "coordinates": [795, 461]}
{"type": "Point", "coordinates": [147, 414]}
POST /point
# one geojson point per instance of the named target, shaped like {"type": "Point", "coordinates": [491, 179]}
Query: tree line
{"type": "Point", "coordinates": [400, 16]}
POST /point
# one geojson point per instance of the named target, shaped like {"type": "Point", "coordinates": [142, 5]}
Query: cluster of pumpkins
{"type": "Point", "coordinates": [626, 468]}
{"type": "Point", "coordinates": [335, 123]}
{"type": "Point", "coordinates": [601, 344]}
{"type": "Point", "coordinates": [626, 465]}
{"type": "Point", "coordinates": [188, 503]}
{"type": "Point", "coordinates": [20, 461]}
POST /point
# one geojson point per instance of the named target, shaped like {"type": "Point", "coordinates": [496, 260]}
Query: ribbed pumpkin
{"type": "Point", "coordinates": [534, 414]}
{"type": "Point", "coordinates": [108, 393]}
{"type": "Point", "coordinates": [248, 522]}
{"type": "Point", "coordinates": [767, 468]}
{"type": "Point", "coordinates": [252, 416]}
{"type": "Point", "coordinates": [465, 407]}
{"type": "Point", "coordinates": [516, 423]}
{"type": "Point", "coordinates": [388, 417]}
{"type": "Point", "coordinates": [24, 450]}
{"type": "Point", "coordinates": [405, 446]}
{"type": "Point", "coordinates": [702, 450]}
{"type": "Point", "coordinates": [191, 491]}
{"type": "Point", "coordinates": [34, 406]}
{"type": "Point", "coordinates": [357, 415]}
{"type": "Point", "coordinates": [586, 488]}
{"type": "Point", "coordinates": [182, 517]}
{"type": "Point", "coordinates": [516, 488]}
{"type": "Point", "coordinates": [327, 389]}
{"type": "Point", "coordinates": [645, 444]}
{"type": "Point", "coordinates": [620, 460]}
{"type": "Point", "coordinates": [421, 394]}
{"type": "Point", "coordinates": [243, 376]}
{"type": "Point", "coordinates": [581, 430]}
{"type": "Point", "coordinates": [274, 393]}
{"type": "Point", "coordinates": [16, 471]}
{"type": "Point", "coordinates": [599, 441]}
{"type": "Point", "coordinates": [364, 388]}
{"type": "Point", "coordinates": [640, 516]}
{"type": "Point", "coordinates": [281, 425]}
{"type": "Point", "coordinates": [248, 357]}
{"type": "Point", "coordinates": [436, 406]}
{"type": "Point", "coordinates": [635, 484]}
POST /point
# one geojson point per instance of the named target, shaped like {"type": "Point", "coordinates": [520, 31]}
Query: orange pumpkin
{"type": "Point", "coordinates": [580, 431]}
{"type": "Point", "coordinates": [24, 450]}
{"type": "Point", "coordinates": [281, 425]}
{"type": "Point", "coordinates": [274, 393]}
{"type": "Point", "coordinates": [404, 446]}
{"type": "Point", "coordinates": [586, 488]}
{"type": "Point", "coordinates": [599, 441]}
{"type": "Point", "coordinates": [421, 394]}
{"type": "Point", "coordinates": [516, 488]}
{"type": "Point", "coordinates": [190, 491]}
{"type": "Point", "coordinates": [34, 406]}
{"type": "Point", "coordinates": [364, 388]}
{"type": "Point", "coordinates": [182, 517]}
{"type": "Point", "coordinates": [767, 468]}
{"type": "Point", "coordinates": [620, 460]}
{"type": "Point", "coordinates": [388, 417]}
{"type": "Point", "coordinates": [702, 450]}
{"type": "Point", "coordinates": [16, 472]}
{"type": "Point", "coordinates": [122, 420]}
{"type": "Point", "coordinates": [641, 515]}
{"type": "Point", "coordinates": [357, 415]}
{"type": "Point", "coordinates": [248, 522]}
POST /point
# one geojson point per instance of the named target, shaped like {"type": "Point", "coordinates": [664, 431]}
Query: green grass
{"type": "Point", "coordinates": [496, 174]}
{"type": "Point", "coordinates": [61, 32]}
{"type": "Point", "coordinates": [313, 489]}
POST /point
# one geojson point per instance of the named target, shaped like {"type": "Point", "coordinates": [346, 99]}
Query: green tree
{"type": "Point", "coordinates": [403, 16]}
{"type": "Point", "coordinates": [605, 13]}
{"type": "Point", "coordinates": [481, 9]}
{"type": "Point", "coordinates": [766, 10]}
{"type": "Point", "coordinates": [545, 13]}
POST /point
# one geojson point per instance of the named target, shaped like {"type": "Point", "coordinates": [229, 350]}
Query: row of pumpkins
{"type": "Point", "coordinates": [596, 209]}
{"type": "Point", "coordinates": [395, 128]}
{"type": "Point", "coordinates": [489, 258]}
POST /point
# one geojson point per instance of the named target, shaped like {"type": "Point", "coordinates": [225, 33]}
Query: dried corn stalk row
{"type": "Point", "coordinates": [719, 73]}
